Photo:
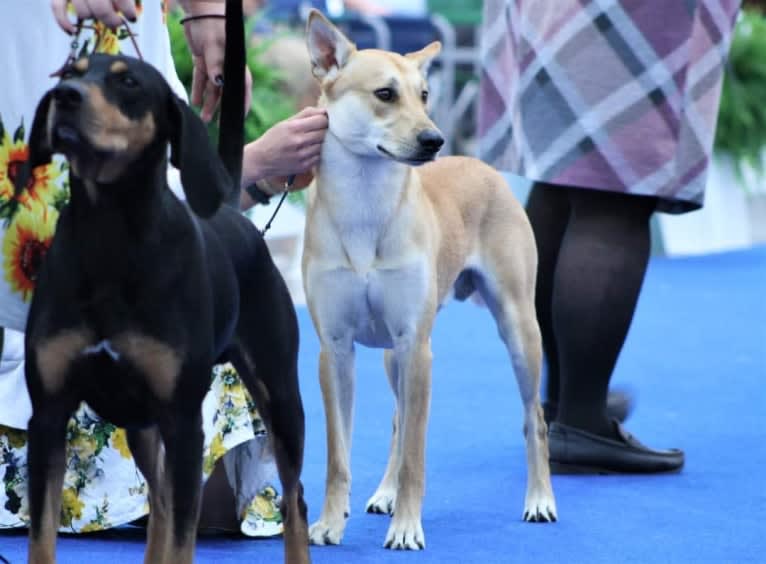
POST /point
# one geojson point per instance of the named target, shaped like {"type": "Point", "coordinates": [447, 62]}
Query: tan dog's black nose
{"type": "Point", "coordinates": [430, 139]}
{"type": "Point", "coordinates": [69, 95]}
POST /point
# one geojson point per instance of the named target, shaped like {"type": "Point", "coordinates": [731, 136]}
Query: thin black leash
{"type": "Point", "coordinates": [288, 184]}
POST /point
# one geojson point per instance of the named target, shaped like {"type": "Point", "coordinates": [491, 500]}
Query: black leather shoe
{"type": "Point", "coordinates": [573, 451]}
{"type": "Point", "coordinates": [618, 406]}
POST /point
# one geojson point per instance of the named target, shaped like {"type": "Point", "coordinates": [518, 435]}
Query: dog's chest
{"type": "Point", "coordinates": [363, 234]}
{"type": "Point", "coordinates": [361, 245]}
{"type": "Point", "coordinates": [376, 307]}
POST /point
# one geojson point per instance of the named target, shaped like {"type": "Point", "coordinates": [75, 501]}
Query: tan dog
{"type": "Point", "coordinates": [386, 245]}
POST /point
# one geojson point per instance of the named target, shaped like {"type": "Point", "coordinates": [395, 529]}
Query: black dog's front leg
{"type": "Point", "coordinates": [146, 448]}
{"type": "Point", "coordinates": [47, 464]}
{"type": "Point", "coordinates": [52, 405]}
{"type": "Point", "coordinates": [182, 479]}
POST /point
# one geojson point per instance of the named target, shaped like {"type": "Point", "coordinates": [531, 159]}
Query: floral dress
{"type": "Point", "coordinates": [102, 486]}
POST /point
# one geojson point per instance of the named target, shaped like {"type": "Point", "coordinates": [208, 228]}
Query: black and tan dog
{"type": "Point", "coordinates": [138, 297]}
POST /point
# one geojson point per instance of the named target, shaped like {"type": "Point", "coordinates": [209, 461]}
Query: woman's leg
{"type": "Point", "coordinates": [548, 210]}
{"type": "Point", "coordinates": [219, 508]}
{"type": "Point", "coordinates": [600, 269]}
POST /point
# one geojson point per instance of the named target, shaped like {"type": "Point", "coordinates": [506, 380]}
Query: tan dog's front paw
{"type": "Point", "coordinates": [382, 502]}
{"type": "Point", "coordinates": [325, 532]}
{"type": "Point", "coordinates": [405, 535]}
{"type": "Point", "coordinates": [540, 508]}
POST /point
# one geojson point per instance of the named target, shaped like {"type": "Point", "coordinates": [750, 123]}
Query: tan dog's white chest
{"type": "Point", "coordinates": [362, 261]}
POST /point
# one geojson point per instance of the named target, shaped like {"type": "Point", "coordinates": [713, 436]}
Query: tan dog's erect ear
{"type": "Point", "coordinates": [425, 56]}
{"type": "Point", "coordinates": [328, 47]}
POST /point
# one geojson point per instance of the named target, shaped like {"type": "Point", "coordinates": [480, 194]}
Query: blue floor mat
{"type": "Point", "coordinates": [696, 360]}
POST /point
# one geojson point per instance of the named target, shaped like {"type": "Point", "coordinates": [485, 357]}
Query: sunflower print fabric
{"type": "Point", "coordinates": [29, 218]}
{"type": "Point", "coordinates": [103, 487]}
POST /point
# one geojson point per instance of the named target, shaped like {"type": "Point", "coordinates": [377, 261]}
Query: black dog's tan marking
{"type": "Point", "coordinates": [109, 131]}
{"type": "Point", "coordinates": [112, 130]}
{"type": "Point", "coordinates": [138, 297]}
{"type": "Point", "coordinates": [56, 354]}
{"type": "Point", "coordinates": [158, 361]}
{"type": "Point", "coordinates": [81, 65]}
{"type": "Point", "coordinates": [118, 66]}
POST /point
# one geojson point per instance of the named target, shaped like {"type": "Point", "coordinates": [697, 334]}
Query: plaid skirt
{"type": "Point", "coordinates": [617, 95]}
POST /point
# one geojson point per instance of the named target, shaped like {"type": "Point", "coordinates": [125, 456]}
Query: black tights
{"type": "Point", "coordinates": [593, 250]}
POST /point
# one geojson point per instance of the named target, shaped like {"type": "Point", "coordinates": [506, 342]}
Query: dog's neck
{"type": "Point", "coordinates": [357, 187]}
{"type": "Point", "coordinates": [115, 228]}
{"type": "Point", "coordinates": [130, 209]}
{"type": "Point", "coordinates": [136, 190]}
{"type": "Point", "coordinates": [362, 194]}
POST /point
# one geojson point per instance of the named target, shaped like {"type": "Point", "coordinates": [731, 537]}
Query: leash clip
{"type": "Point", "coordinates": [75, 44]}
{"type": "Point", "coordinates": [73, 48]}
{"type": "Point", "coordinates": [76, 51]}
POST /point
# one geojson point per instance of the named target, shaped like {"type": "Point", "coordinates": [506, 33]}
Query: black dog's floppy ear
{"type": "Point", "coordinates": [40, 152]}
{"type": "Point", "coordinates": [328, 47]}
{"type": "Point", "coordinates": [205, 180]}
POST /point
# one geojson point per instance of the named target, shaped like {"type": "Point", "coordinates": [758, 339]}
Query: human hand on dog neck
{"type": "Point", "coordinates": [291, 147]}
{"type": "Point", "coordinates": [106, 11]}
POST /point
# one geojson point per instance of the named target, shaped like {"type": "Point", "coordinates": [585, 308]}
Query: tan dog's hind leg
{"type": "Point", "coordinates": [146, 447]}
{"type": "Point", "coordinates": [525, 348]}
{"type": "Point", "coordinates": [384, 499]}
{"type": "Point", "coordinates": [336, 376]}
{"type": "Point", "coordinates": [508, 290]}
{"type": "Point", "coordinates": [413, 405]}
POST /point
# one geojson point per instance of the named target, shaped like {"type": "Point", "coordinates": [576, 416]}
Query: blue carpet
{"type": "Point", "coordinates": [696, 359]}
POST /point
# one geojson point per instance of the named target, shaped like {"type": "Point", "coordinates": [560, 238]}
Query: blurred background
{"type": "Point", "coordinates": [734, 215]}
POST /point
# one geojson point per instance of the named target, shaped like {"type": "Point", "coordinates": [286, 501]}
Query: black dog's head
{"type": "Point", "coordinates": [112, 116]}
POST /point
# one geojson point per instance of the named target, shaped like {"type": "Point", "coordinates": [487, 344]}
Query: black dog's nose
{"type": "Point", "coordinates": [69, 95]}
{"type": "Point", "coordinates": [430, 139]}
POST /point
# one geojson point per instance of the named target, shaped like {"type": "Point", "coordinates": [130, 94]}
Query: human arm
{"type": "Point", "coordinates": [290, 148]}
{"type": "Point", "coordinates": [205, 31]}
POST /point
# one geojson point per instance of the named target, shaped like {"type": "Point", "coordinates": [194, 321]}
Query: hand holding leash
{"type": "Point", "coordinates": [206, 35]}
{"type": "Point", "coordinates": [107, 11]}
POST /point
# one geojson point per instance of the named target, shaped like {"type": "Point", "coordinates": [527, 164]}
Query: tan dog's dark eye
{"type": "Point", "coordinates": [385, 94]}
{"type": "Point", "coordinates": [424, 96]}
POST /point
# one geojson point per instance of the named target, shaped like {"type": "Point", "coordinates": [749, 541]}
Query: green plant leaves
{"type": "Point", "coordinates": [741, 129]}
